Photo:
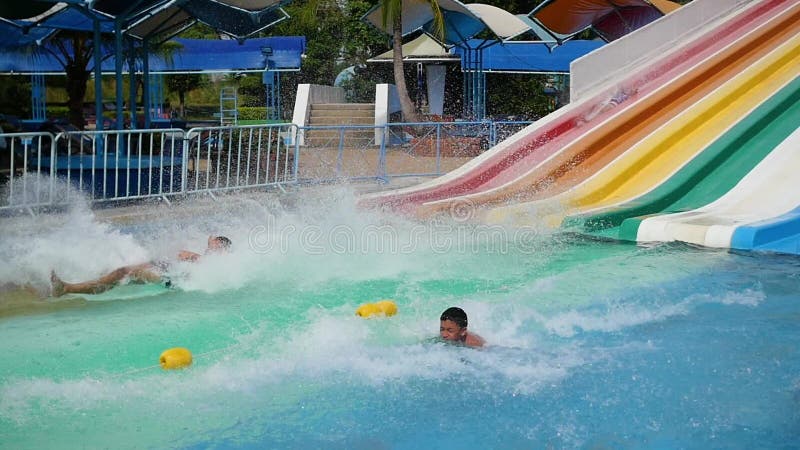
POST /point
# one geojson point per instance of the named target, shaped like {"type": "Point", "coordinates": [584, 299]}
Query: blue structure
{"type": "Point", "coordinates": [271, 55]}
{"type": "Point", "coordinates": [530, 57]}
{"type": "Point", "coordinates": [473, 29]}
{"type": "Point", "coordinates": [38, 100]}
{"type": "Point", "coordinates": [135, 27]}
{"type": "Point", "coordinates": [272, 83]}
{"type": "Point", "coordinates": [123, 34]}
{"type": "Point", "coordinates": [156, 96]}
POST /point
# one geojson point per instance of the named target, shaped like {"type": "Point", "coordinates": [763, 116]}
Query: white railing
{"type": "Point", "coordinates": [42, 169]}
{"type": "Point", "coordinates": [221, 158]}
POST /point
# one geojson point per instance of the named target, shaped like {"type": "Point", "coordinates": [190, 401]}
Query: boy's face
{"type": "Point", "coordinates": [450, 331]}
{"type": "Point", "coordinates": [214, 244]}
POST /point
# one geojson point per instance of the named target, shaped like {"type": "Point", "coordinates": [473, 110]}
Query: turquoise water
{"type": "Point", "coordinates": [592, 344]}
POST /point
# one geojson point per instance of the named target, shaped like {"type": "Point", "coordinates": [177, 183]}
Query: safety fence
{"type": "Point", "coordinates": [41, 169]}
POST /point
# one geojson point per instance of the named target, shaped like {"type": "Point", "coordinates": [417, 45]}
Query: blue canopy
{"type": "Point", "coordinates": [283, 53]}
{"type": "Point", "coordinates": [273, 53]}
{"type": "Point", "coordinates": [158, 20]}
{"type": "Point", "coordinates": [529, 57]}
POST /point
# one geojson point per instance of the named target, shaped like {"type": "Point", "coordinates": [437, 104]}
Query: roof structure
{"type": "Point", "coordinates": [611, 20]}
{"type": "Point", "coordinates": [155, 20]}
{"type": "Point", "coordinates": [462, 21]}
{"type": "Point", "coordinates": [135, 25]}
{"type": "Point", "coordinates": [422, 49]}
{"type": "Point", "coordinates": [283, 53]}
{"type": "Point", "coordinates": [277, 53]}
{"type": "Point", "coordinates": [507, 57]}
{"type": "Point", "coordinates": [532, 57]}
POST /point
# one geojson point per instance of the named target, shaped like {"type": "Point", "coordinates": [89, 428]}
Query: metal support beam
{"type": "Point", "coordinates": [146, 82]}
{"type": "Point", "coordinates": [118, 74]}
{"type": "Point", "coordinates": [132, 85]}
{"type": "Point", "coordinates": [98, 76]}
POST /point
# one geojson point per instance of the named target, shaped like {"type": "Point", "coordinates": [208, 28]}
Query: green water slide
{"type": "Point", "coordinates": [709, 175]}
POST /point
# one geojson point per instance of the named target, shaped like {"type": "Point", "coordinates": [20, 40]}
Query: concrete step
{"type": "Point", "coordinates": [327, 120]}
{"type": "Point", "coordinates": [349, 141]}
{"type": "Point", "coordinates": [343, 113]}
{"type": "Point", "coordinates": [343, 106]}
{"type": "Point", "coordinates": [334, 134]}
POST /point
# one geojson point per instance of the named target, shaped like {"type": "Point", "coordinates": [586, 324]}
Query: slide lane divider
{"type": "Point", "coordinates": [659, 175]}
{"type": "Point", "coordinates": [504, 155]}
{"type": "Point", "coordinates": [573, 163]}
{"type": "Point", "coordinates": [752, 138]}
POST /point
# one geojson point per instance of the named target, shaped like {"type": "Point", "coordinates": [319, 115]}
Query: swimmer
{"type": "Point", "coordinates": [453, 328]}
{"type": "Point", "coordinates": [151, 272]}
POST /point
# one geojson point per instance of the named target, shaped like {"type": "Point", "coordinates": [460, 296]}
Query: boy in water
{"type": "Point", "coordinates": [453, 328]}
{"type": "Point", "coordinates": [151, 272]}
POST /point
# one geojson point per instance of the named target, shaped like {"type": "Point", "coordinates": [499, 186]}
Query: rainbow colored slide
{"type": "Point", "coordinates": [761, 212]}
{"type": "Point", "coordinates": [684, 145]}
{"type": "Point", "coordinates": [673, 157]}
{"type": "Point", "coordinates": [690, 71]}
{"type": "Point", "coordinates": [707, 177]}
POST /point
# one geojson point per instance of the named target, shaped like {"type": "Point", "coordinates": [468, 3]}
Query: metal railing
{"type": "Point", "coordinates": [355, 152]}
{"type": "Point", "coordinates": [41, 169]}
{"type": "Point", "coordinates": [237, 157]}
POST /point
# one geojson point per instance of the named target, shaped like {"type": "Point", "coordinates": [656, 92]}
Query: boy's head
{"type": "Point", "coordinates": [453, 324]}
{"type": "Point", "coordinates": [218, 243]}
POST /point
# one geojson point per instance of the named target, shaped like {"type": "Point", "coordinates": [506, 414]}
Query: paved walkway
{"type": "Point", "coordinates": [149, 210]}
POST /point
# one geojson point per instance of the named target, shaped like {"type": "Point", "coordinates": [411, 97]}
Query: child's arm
{"type": "Point", "coordinates": [186, 255]}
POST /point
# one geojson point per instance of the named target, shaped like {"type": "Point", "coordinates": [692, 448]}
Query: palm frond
{"type": "Point", "coordinates": [438, 21]}
{"type": "Point", "coordinates": [390, 10]}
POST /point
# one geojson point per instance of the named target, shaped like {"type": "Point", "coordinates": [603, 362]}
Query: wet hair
{"type": "Point", "coordinates": [224, 241]}
{"type": "Point", "coordinates": [455, 314]}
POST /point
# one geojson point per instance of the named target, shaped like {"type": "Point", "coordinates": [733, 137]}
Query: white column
{"type": "Point", "coordinates": [435, 74]}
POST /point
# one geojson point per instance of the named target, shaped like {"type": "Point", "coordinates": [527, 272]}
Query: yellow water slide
{"type": "Point", "coordinates": [659, 155]}
{"type": "Point", "coordinates": [637, 124]}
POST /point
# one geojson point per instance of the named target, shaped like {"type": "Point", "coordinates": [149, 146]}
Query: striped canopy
{"type": "Point", "coordinates": [611, 20]}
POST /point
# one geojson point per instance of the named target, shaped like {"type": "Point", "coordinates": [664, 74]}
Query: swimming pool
{"type": "Point", "coordinates": [593, 344]}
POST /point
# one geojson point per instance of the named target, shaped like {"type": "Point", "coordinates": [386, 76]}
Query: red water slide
{"type": "Point", "coordinates": [531, 146]}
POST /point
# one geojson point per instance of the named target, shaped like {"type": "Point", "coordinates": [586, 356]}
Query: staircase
{"type": "Point", "coordinates": [335, 114]}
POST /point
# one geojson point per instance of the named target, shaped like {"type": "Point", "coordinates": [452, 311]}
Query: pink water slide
{"type": "Point", "coordinates": [537, 143]}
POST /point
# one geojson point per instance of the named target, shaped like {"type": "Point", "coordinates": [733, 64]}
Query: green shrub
{"type": "Point", "coordinates": [57, 112]}
{"type": "Point", "coordinates": [252, 112]}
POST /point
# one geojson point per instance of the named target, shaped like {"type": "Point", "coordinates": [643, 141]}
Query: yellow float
{"type": "Point", "coordinates": [384, 307]}
{"type": "Point", "coordinates": [388, 307]}
{"type": "Point", "coordinates": [175, 358]}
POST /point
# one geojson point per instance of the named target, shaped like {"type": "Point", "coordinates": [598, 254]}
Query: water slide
{"type": "Point", "coordinates": [696, 156]}
{"type": "Point", "coordinates": [708, 176]}
{"type": "Point", "coordinates": [761, 212]}
{"type": "Point", "coordinates": [563, 149]}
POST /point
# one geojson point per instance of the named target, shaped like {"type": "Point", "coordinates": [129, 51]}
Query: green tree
{"type": "Point", "coordinates": [337, 39]}
{"type": "Point", "coordinates": [321, 17]}
{"type": "Point", "coordinates": [393, 14]}
{"type": "Point", "coordinates": [75, 50]}
{"type": "Point", "coordinates": [183, 83]}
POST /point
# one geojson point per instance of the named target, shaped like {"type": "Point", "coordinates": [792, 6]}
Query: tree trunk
{"type": "Point", "coordinates": [182, 101]}
{"type": "Point", "coordinates": [77, 77]}
{"type": "Point", "coordinates": [409, 111]}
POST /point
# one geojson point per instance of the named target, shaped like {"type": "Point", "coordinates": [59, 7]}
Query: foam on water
{"type": "Point", "coordinates": [617, 317]}
{"type": "Point", "coordinates": [281, 357]}
{"type": "Point", "coordinates": [74, 243]}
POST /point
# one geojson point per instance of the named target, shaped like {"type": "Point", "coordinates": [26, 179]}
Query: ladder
{"type": "Point", "coordinates": [228, 106]}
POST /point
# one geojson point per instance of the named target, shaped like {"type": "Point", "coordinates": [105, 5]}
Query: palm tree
{"type": "Point", "coordinates": [74, 49]}
{"type": "Point", "coordinates": [393, 12]}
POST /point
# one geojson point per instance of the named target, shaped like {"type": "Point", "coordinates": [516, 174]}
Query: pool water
{"type": "Point", "coordinates": [593, 344]}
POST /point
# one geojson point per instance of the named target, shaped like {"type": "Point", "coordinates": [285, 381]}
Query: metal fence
{"type": "Point", "coordinates": [223, 158]}
{"type": "Point", "coordinates": [353, 152]}
{"type": "Point", "coordinates": [40, 169]}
